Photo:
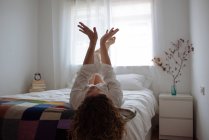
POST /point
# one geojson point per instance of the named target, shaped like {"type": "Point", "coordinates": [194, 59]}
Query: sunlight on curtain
{"type": "Point", "coordinates": [63, 61]}
{"type": "Point", "coordinates": [93, 13]}
{"type": "Point", "coordinates": [134, 43]}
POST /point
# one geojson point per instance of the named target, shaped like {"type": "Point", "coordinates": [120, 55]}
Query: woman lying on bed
{"type": "Point", "coordinates": [97, 99]}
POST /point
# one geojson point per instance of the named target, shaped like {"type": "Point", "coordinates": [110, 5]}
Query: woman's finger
{"type": "Point", "coordinates": [80, 27]}
{"type": "Point", "coordinates": [114, 31]}
{"type": "Point", "coordinates": [82, 24]}
{"type": "Point", "coordinates": [95, 30]}
{"type": "Point", "coordinates": [111, 29]}
{"type": "Point", "coordinates": [83, 32]}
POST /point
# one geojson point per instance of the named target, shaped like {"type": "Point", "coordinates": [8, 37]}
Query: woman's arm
{"type": "Point", "coordinates": [92, 34]}
{"type": "Point", "coordinates": [77, 92]}
{"type": "Point", "coordinates": [104, 53]}
{"type": "Point", "coordinates": [114, 90]}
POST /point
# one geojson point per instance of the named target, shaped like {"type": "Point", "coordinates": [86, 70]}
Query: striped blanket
{"type": "Point", "coordinates": [23, 119]}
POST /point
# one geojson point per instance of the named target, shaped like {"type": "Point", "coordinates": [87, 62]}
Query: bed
{"type": "Point", "coordinates": [47, 115]}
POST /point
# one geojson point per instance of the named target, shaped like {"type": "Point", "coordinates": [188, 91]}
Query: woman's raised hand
{"type": "Point", "coordinates": [103, 49]}
{"type": "Point", "coordinates": [92, 34]}
{"type": "Point", "coordinates": [108, 35]}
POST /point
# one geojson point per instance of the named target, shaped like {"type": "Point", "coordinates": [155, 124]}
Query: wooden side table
{"type": "Point", "coordinates": [176, 117]}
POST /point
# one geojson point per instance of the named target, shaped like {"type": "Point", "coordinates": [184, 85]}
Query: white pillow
{"type": "Point", "coordinates": [132, 81]}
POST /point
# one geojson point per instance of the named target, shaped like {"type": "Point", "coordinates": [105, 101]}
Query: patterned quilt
{"type": "Point", "coordinates": [23, 119]}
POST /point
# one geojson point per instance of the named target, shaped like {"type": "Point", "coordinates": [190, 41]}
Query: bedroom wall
{"type": "Point", "coordinates": [18, 45]}
{"type": "Point", "coordinates": [45, 42]}
{"type": "Point", "coordinates": [200, 65]}
{"type": "Point", "coordinates": [172, 23]}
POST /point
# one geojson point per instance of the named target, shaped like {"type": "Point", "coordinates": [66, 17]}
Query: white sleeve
{"type": "Point", "coordinates": [114, 90]}
{"type": "Point", "coordinates": [77, 94]}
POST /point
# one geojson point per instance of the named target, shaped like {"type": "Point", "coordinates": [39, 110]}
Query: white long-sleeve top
{"type": "Point", "coordinates": [110, 87]}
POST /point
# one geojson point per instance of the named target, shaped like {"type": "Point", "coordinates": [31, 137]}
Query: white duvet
{"type": "Point", "coordinates": [143, 101]}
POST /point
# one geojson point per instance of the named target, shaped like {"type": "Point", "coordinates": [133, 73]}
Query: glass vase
{"type": "Point", "coordinates": [173, 90]}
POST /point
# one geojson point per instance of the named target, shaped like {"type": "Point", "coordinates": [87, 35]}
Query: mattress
{"type": "Point", "coordinates": [56, 103]}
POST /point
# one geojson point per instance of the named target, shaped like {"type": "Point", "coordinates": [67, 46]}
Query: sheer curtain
{"type": "Point", "coordinates": [132, 17]}
{"type": "Point", "coordinates": [133, 45]}
{"type": "Point", "coordinates": [64, 69]}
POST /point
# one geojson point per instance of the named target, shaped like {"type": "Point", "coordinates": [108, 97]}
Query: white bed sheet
{"type": "Point", "coordinates": [142, 101]}
{"type": "Point", "coordinates": [145, 104]}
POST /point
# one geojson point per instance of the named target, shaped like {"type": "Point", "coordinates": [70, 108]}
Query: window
{"type": "Point", "coordinates": [134, 43]}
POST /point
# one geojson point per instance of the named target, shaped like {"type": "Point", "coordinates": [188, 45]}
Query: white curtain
{"type": "Point", "coordinates": [133, 45]}
{"type": "Point", "coordinates": [62, 49]}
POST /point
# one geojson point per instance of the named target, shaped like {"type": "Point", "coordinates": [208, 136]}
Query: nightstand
{"type": "Point", "coordinates": [176, 117]}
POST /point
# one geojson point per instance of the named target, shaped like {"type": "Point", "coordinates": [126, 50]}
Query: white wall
{"type": "Point", "coordinates": [18, 45]}
{"type": "Point", "coordinates": [200, 65]}
{"type": "Point", "coordinates": [45, 42]}
{"type": "Point", "coordinates": [172, 23]}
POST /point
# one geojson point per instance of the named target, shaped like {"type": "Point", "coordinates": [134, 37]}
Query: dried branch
{"type": "Point", "coordinates": [175, 59]}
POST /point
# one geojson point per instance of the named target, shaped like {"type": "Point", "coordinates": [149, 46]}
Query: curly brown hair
{"type": "Point", "coordinates": [98, 119]}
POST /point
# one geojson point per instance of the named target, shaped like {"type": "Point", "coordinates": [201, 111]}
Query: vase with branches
{"type": "Point", "coordinates": [175, 60]}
